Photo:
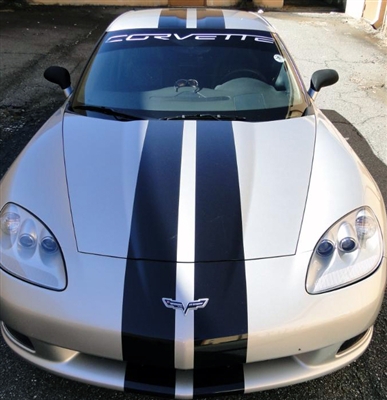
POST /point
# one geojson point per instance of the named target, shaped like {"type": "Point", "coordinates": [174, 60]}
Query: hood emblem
{"type": "Point", "coordinates": [178, 305]}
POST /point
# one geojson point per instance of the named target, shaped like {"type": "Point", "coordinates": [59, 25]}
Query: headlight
{"type": "Point", "coordinates": [29, 250]}
{"type": "Point", "coordinates": [348, 252]}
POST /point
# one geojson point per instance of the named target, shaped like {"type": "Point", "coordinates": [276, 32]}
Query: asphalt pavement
{"type": "Point", "coordinates": [33, 38]}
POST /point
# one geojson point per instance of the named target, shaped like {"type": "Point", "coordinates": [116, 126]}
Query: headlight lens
{"type": "Point", "coordinates": [29, 250]}
{"type": "Point", "coordinates": [348, 252]}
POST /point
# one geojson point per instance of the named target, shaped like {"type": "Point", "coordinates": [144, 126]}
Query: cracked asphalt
{"type": "Point", "coordinates": [33, 38]}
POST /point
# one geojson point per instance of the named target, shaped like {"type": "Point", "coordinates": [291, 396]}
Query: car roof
{"type": "Point", "coordinates": [205, 18]}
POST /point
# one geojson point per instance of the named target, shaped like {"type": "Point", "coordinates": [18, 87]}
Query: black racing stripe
{"type": "Point", "coordinates": [150, 380]}
{"type": "Point", "coordinates": [218, 206]}
{"type": "Point", "coordinates": [219, 237]}
{"type": "Point", "coordinates": [217, 352]}
{"type": "Point", "coordinates": [221, 327]}
{"type": "Point", "coordinates": [219, 380]}
{"type": "Point", "coordinates": [210, 19]}
{"type": "Point", "coordinates": [153, 233]}
{"type": "Point", "coordinates": [148, 327]}
{"type": "Point", "coordinates": [173, 18]}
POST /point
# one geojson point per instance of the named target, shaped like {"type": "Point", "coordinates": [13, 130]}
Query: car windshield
{"type": "Point", "coordinates": [190, 74]}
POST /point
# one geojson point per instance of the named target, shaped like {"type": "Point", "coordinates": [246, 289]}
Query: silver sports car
{"type": "Point", "coordinates": [189, 223]}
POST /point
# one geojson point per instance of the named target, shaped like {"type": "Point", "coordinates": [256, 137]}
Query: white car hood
{"type": "Point", "coordinates": [188, 191]}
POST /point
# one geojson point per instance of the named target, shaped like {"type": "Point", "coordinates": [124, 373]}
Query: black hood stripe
{"type": "Point", "coordinates": [153, 233]}
{"type": "Point", "coordinates": [220, 329]}
{"type": "Point", "coordinates": [173, 18]}
{"type": "Point", "coordinates": [148, 327]}
{"type": "Point", "coordinates": [218, 206]}
{"type": "Point", "coordinates": [219, 236]}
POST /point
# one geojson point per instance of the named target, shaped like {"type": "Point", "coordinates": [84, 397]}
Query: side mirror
{"type": "Point", "coordinates": [320, 79]}
{"type": "Point", "coordinates": [61, 77]}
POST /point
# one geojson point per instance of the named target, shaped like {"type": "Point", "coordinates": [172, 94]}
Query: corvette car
{"type": "Point", "coordinates": [189, 223]}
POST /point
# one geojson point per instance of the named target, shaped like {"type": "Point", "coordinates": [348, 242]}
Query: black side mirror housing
{"type": "Point", "coordinates": [320, 79]}
{"type": "Point", "coordinates": [61, 77]}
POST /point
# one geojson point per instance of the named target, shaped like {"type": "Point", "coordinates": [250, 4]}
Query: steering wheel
{"type": "Point", "coordinates": [244, 73]}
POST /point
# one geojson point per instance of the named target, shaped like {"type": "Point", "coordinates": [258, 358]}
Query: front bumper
{"type": "Point", "coordinates": [292, 336]}
{"type": "Point", "coordinates": [256, 376]}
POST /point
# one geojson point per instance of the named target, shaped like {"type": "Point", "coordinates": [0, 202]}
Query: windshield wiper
{"type": "Point", "coordinates": [217, 117]}
{"type": "Point", "coordinates": [107, 111]}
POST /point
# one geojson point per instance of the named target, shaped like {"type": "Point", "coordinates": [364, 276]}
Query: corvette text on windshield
{"type": "Point", "coordinates": [192, 36]}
